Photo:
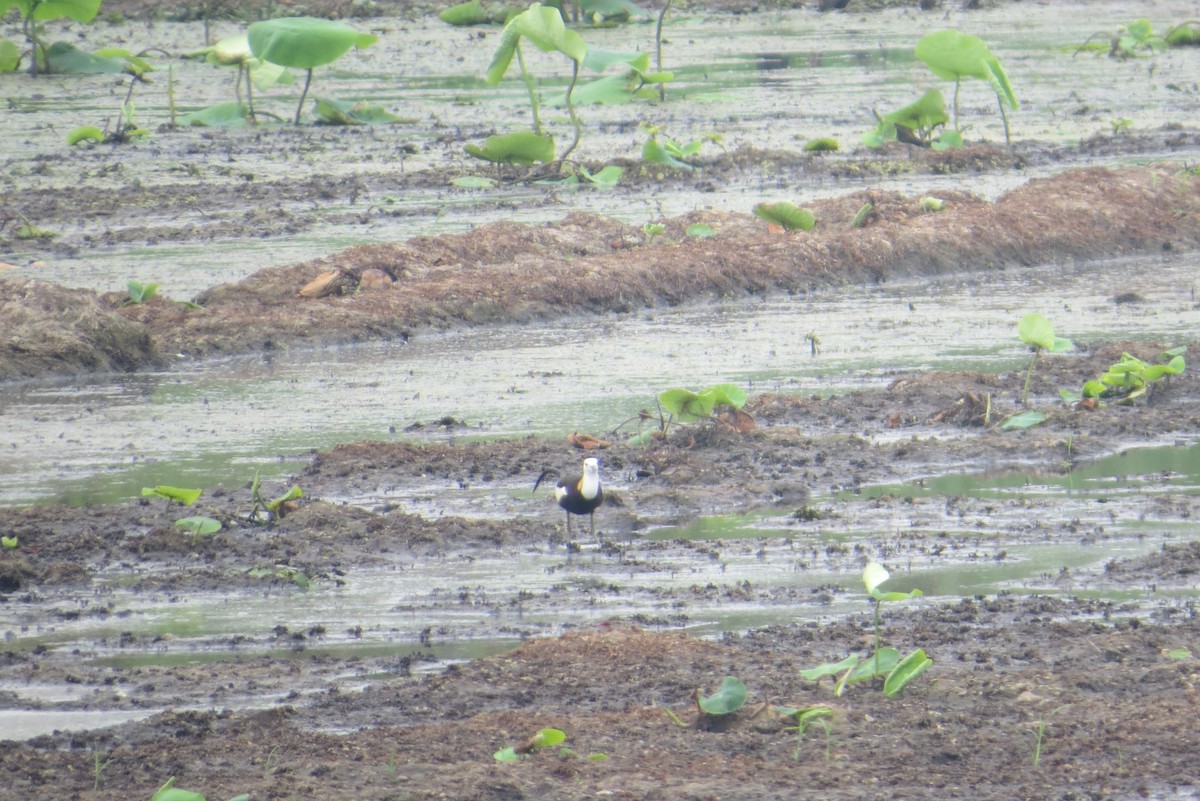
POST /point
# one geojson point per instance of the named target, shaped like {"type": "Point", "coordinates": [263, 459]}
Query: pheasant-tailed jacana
{"type": "Point", "coordinates": [578, 494]}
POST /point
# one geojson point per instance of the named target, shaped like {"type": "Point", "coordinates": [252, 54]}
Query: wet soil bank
{"type": "Point", "coordinates": [508, 272]}
{"type": "Point", "coordinates": [922, 425]}
{"type": "Point", "coordinates": [1029, 697]}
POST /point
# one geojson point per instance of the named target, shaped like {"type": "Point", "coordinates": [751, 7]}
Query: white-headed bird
{"type": "Point", "coordinates": [578, 494]}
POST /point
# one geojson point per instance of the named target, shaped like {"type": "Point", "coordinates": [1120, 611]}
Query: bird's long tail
{"type": "Point", "coordinates": [549, 471]}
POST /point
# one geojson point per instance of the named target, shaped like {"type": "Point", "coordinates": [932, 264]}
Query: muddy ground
{"type": "Point", "coordinates": [1029, 697]}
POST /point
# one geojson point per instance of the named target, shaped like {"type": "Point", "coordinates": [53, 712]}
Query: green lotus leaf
{"type": "Point", "coordinates": [304, 42]}
{"type": "Point", "coordinates": [788, 215]}
{"type": "Point", "coordinates": [879, 663]}
{"type": "Point", "coordinates": [469, 13]}
{"type": "Point", "coordinates": [547, 738]}
{"type": "Point", "coordinates": [729, 698]}
{"type": "Point", "coordinates": [1023, 420]}
{"type": "Point", "coordinates": [345, 112]}
{"type": "Point", "coordinates": [903, 673]}
{"type": "Point", "coordinates": [612, 8]}
{"type": "Point", "coordinates": [67, 58]}
{"type": "Point", "coordinates": [1036, 330]}
{"type": "Point", "coordinates": [230, 114]}
{"type": "Point", "coordinates": [656, 152]}
{"type": "Point", "coordinates": [134, 65]}
{"type": "Point", "coordinates": [187, 497]}
{"type": "Point", "coordinates": [85, 133]}
{"type": "Point", "coordinates": [685, 405]}
{"type": "Point", "coordinates": [830, 668]}
{"type": "Point", "coordinates": [199, 526]}
{"type": "Point", "coordinates": [521, 147]}
{"type": "Point", "coordinates": [10, 56]}
{"type": "Point", "coordinates": [608, 175]}
{"type": "Point", "coordinates": [79, 10]}
{"type": "Point", "coordinates": [952, 56]}
{"type": "Point", "coordinates": [728, 394]}
{"type": "Point", "coordinates": [544, 27]}
{"type": "Point", "coordinates": [927, 111]}
{"type": "Point", "coordinates": [473, 182]}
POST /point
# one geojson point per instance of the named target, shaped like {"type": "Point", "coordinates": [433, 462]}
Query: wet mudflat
{"type": "Point", "coordinates": [1059, 563]}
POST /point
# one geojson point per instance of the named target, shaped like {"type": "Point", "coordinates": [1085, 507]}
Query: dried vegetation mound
{"type": "Point", "coordinates": [46, 328]}
{"type": "Point", "coordinates": [509, 272]}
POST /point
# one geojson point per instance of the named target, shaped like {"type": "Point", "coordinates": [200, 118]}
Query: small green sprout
{"type": "Point", "coordinates": [1129, 40]}
{"type": "Point", "coordinates": [275, 509]}
{"type": "Point", "coordinates": [804, 717]}
{"type": "Point", "coordinates": [884, 662]}
{"type": "Point", "coordinates": [652, 230]}
{"type": "Point", "coordinates": [140, 293]}
{"type": "Point", "coordinates": [169, 792]}
{"type": "Point", "coordinates": [1037, 332]}
{"type": "Point", "coordinates": [1038, 730]}
{"type": "Point", "coordinates": [914, 123]}
{"type": "Point", "coordinates": [1129, 379]}
{"type": "Point", "coordinates": [10, 542]}
{"type": "Point", "coordinates": [1120, 125]}
{"type": "Point", "coordinates": [99, 765]}
{"type": "Point", "coordinates": [822, 144]}
{"type": "Point", "coordinates": [662, 149]}
{"type": "Point", "coordinates": [544, 738]}
{"type": "Point", "coordinates": [282, 573]}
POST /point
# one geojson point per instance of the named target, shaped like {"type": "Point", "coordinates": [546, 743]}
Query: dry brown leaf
{"type": "Point", "coordinates": [374, 278]}
{"type": "Point", "coordinates": [737, 419]}
{"type": "Point", "coordinates": [586, 441]}
{"type": "Point", "coordinates": [324, 284]}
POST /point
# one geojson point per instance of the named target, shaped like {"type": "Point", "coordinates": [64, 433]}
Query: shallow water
{"type": "Point", "coordinates": [791, 77]}
{"type": "Point", "coordinates": [214, 423]}
{"type": "Point", "coordinates": [962, 535]}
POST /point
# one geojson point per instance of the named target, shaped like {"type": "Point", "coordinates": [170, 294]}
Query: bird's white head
{"type": "Point", "coordinates": [590, 483]}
